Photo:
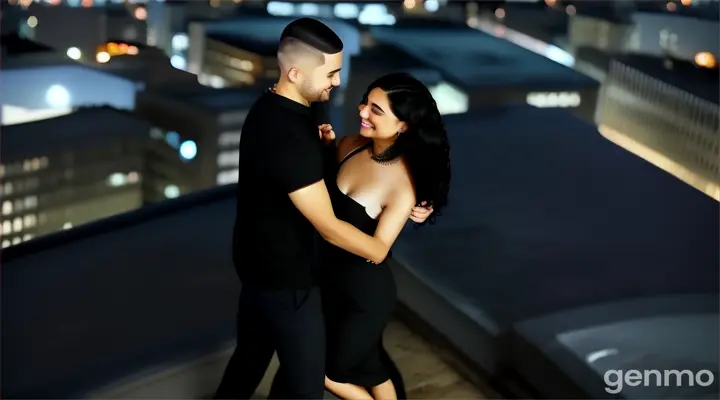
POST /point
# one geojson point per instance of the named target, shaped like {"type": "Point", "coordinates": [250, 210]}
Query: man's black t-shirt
{"type": "Point", "coordinates": [280, 152]}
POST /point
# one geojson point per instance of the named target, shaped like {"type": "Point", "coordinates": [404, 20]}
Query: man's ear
{"type": "Point", "coordinates": [293, 75]}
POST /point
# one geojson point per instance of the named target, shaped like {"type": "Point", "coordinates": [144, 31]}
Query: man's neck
{"type": "Point", "coordinates": [287, 90]}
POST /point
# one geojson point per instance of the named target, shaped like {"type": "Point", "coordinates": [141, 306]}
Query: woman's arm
{"type": "Point", "coordinates": [393, 218]}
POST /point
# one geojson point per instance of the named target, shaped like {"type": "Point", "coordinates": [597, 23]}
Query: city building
{"type": "Point", "coordinates": [92, 163]}
{"type": "Point", "coordinates": [210, 118]}
{"type": "Point", "coordinates": [491, 71]}
{"type": "Point", "coordinates": [645, 33]}
{"type": "Point", "coordinates": [240, 51]}
{"type": "Point", "coordinates": [38, 81]}
{"type": "Point", "coordinates": [666, 110]}
{"type": "Point", "coordinates": [243, 52]}
{"type": "Point", "coordinates": [144, 65]}
{"type": "Point", "coordinates": [84, 28]}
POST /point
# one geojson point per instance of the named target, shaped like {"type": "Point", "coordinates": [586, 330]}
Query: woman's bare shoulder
{"type": "Point", "coordinates": [350, 143]}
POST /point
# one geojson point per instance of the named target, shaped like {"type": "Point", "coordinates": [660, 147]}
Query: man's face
{"type": "Point", "coordinates": [318, 83]}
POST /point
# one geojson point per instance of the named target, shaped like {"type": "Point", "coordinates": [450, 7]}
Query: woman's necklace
{"type": "Point", "coordinates": [390, 155]}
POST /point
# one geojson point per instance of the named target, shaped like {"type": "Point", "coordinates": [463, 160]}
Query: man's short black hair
{"type": "Point", "coordinates": [315, 34]}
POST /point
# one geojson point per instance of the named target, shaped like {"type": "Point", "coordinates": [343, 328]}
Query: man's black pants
{"type": "Point", "coordinates": [285, 321]}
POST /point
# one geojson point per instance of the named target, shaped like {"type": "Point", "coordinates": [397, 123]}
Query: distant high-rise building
{"type": "Point", "coordinates": [212, 118]}
{"type": "Point", "coordinates": [93, 163]}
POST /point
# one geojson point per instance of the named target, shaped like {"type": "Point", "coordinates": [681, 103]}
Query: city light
{"type": "Point", "coordinates": [118, 49]}
{"type": "Point", "coordinates": [432, 5]}
{"type": "Point", "coordinates": [188, 150]}
{"type": "Point", "coordinates": [32, 21]}
{"type": "Point", "coordinates": [180, 42]}
{"type": "Point", "coordinates": [74, 53]}
{"type": "Point", "coordinates": [178, 62]}
{"type": "Point", "coordinates": [141, 13]}
{"type": "Point", "coordinates": [57, 96]}
{"type": "Point", "coordinates": [346, 10]}
{"type": "Point", "coordinates": [171, 191]}
{"type": "Point", "coordinates": [554, 99]}
{"type": "Point", "coordinates": [102, 57]}
{"type": "Point", "coordinates": [705, 59]}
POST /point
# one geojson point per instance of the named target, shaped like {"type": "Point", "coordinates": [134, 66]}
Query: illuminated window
{"type": "Point", "coordinates": [5, 243]}
{"type": "Point", "coordinates": [229, 139]}
{"type": "Point", "coordinates": [67, 225]}
{"type": "Point", "coordinates": [17, 224]}
{"type": "Point", "coordinates": [554, 99]}
{"type": "Point", "coordinates": [30, 220]}
{"type": "Point", "coordinates": [227, 177]}
{"type": "Point", "coordinates": [116, 179]}
{"type": "Point", "coordinates": [133, 177]}
{"type": "Point", "coordinates": [27, 237]}
{"type": "Point", "coordinates": [7, 207]}
{"type": "Point", "coordinates": [16, 240]}
{"type": "Point", "coordinates": [31, 202]}
{"type": "Point", "coordinates": [228, 158]}
{"type": "Point", "coordinates": [7, 227]}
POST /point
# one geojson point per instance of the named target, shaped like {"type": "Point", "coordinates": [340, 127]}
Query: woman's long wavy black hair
{"type": "Point", "coordinates": [424, 144]}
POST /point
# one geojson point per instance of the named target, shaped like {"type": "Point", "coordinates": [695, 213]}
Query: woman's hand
{"type": "Point", "coordinates": [326, 132]}
{"type": "Point", "coordinates": [420, 213]}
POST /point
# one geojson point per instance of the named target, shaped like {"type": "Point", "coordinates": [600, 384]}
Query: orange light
{"type": "Point", "coordinates": [87, 3]}
{"type": "Point", "coordinates": [122, 48]}
{"type": "Point", "coordinates": [705, 59]}
{"type": "Point", "coordinates": [551, 3]}
{"type": "Point", "coordinates": [112, 48]}
{"type": "Point", "coordinates": [686, 3]}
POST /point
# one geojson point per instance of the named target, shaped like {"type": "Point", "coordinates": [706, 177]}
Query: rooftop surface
{"type": "Point", "coordinates": [543, 218]}
{"type": "Point", "coordinates": [540, 220]}
{"type": "Point", "coordinates": [470, 58]}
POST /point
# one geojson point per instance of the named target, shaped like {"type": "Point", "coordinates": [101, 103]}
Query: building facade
{"type": "Point", "coordinates": [94, 163]}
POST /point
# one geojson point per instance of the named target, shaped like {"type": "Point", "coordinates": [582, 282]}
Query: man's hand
{"type": "Point", "coordinates": [326, 132]}
{"type": "Point", "coordinates": [420, 213]}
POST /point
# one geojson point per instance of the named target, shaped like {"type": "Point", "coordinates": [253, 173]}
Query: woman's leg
{"type": "Point", "coordinates": [347, 391]}
{"type": "Point", "coordinates": [384, 391]}
{"type": "Point", "coordinates": [394, 373]}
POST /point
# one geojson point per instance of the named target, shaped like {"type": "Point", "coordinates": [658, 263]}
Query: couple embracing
{"type": "Point", "coordinates": [316, 218]}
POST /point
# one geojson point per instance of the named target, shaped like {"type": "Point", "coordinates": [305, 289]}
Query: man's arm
{"type": "Point", "coordinates": [313, 202]}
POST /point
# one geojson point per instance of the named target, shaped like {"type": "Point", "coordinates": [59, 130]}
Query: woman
{"type": "Point", "coordinates": [399, 159]}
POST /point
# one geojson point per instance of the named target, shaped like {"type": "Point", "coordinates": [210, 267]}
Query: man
{"type": "Point", "coordinates": [282, 201]}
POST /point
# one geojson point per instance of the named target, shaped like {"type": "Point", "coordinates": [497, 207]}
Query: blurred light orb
{"type": "Point", "coordinates": [102, 57]}
{"type": "Point", "coordinates": [57, 96]}
{"type": "Point", "coordinates": [705, 59]}
{"type": "Point", "coordinates": [188, 150]}
{"type": "Point", "coordinates": [74, 53]}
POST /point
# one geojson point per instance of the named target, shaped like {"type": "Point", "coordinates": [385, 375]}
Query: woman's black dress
{"type": "Point", "coordinates": [358, 300]}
